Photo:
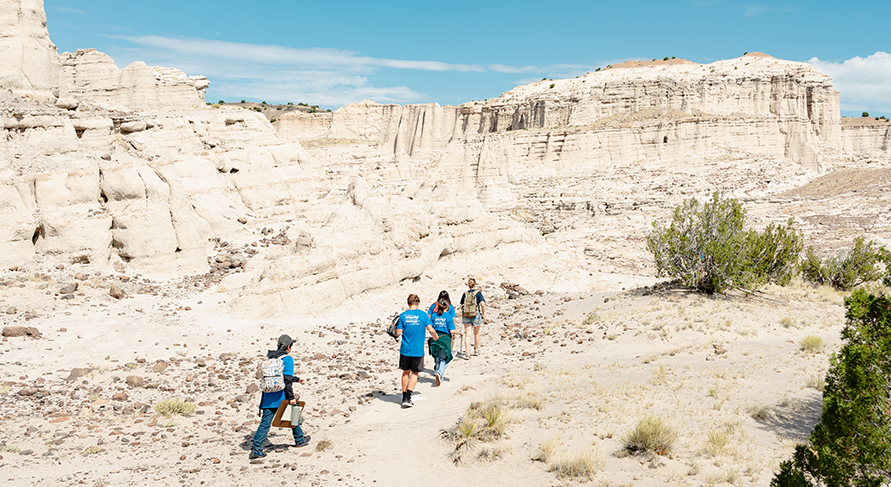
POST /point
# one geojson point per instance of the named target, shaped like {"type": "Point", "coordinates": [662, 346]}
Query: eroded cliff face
{"type": "Point", "coordinates": [92, 75]}
{"type": "Point", "coordinates": [29, 62]}
{"type": "Point", "coordinates": [668, 114]}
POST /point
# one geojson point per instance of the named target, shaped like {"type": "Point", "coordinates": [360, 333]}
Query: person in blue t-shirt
{"type": "Point", "coordinates": [411, 330]}
{"type": "Point", "coordinates": [271, 400]}
{"type": "Point", "coordinates": [442, 313]}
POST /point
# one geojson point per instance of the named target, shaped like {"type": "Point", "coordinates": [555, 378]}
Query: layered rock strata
{"type": "Point", "coordinates": [662, 114]}
{"type": "Point", "coordinates": [92, 75]}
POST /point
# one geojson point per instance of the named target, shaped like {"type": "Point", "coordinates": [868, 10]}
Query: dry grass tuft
{"type": "Point", "coordinates": [583, 465]}
{"type": "Point", "coordinates": [171, 406]}
{"type": "Point", "coordinates": [811, 344]}
{"type": "Point", "coordinates": [650, 435]}
{"type": "Point", "coordinates": [546, 450]}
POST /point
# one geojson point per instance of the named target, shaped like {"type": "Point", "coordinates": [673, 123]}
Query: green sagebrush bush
{"type": "Point", "coordinates": [862, 263]}
{"type": "Point", "coordinates": [851, 446]}
{"type": "Point", "coordinates": [706, 247]}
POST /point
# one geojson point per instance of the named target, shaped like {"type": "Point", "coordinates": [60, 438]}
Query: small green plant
{"type": "Point", "coordinates": [612, 336]}
{"type": "Point", "coordinates": [650, 435]}
{"type": "Point", "coordinates": [865, 114]}
{"type": "Point", "coordinates": [323, 445]}
{"type": "Point", "coordinates": [787, 322]}
{"type": "Point", "coordinates": [11, 448]}
{"type": "Point", "coordinates": [171, 406]}
{"type": "Point", "coordinates": [659, 375]}
{"type": "Point", "coordinates": [552, 85]}
{"type": "Point", "coordinates": [862, 263]}
{"type": "Point", "coordinates": [811, 344]}
{"type": "Point", "coordinates": [92, 450]}
{"type": "Point", "coordinates": [583, 465]}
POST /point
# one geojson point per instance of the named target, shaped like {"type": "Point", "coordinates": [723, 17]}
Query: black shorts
{"type": "Point", "coordinates": [414, 364]}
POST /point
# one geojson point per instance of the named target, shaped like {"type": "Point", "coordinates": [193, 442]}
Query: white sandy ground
{"type": "Point", "coordinates": [598, 365]}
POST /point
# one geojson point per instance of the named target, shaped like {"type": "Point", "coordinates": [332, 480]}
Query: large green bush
{"type": "Point", "coordinates": [707, 248]}
{"type": "Point", "coordinates": [851, 446]}
{"type": "Point", "coordinates": [862, 263]}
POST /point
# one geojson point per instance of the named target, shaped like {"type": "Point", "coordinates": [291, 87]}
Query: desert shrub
{"type": "Point", "coordinates": [171, 406]}
{"type": "Point", "coordinates": [850, 444]}
{"type": "Point", "coordinates": [864, 114]}
{"type": "Point", "coordinates": [717, 440]}
{"type": "Point", "coordinates": [706, 247]}
{"type": "Point", "coordinates": [864, 262]}
{"type": "Point", "coordinates": [582, 465]}
{"type": "Point", "coordinates": [650, 435]}
{"type": "Point", "coordinates": [811, 344]}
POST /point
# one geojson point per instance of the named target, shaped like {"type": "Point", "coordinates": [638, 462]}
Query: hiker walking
{"type": "Point", "coordinates": [442, 314]}
{"type": "Point", "coordinates": [473, 311]}
{"type": "Point", "coordinates": [271, 400]}
{"type": "Point", "coordinates": [411, 329]}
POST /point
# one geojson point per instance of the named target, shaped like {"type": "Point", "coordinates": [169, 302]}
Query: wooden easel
{"type": "Point", "coordinates": [286, 423]}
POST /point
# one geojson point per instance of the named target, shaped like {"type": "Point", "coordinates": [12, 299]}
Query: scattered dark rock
{"type": "Point", "coordinates": [11, 310]}
{"type": "Point", "coordinates": [135, 381]}
{"type": "Point", "coordinates": [77, 373]}
{"type": "Point", "coordinates": [116, 292]}
{"type": "Point", "coordinates": [121, 396]}
{"type": "Point", "coordinates": [20, 331]}
{"type": "Point", "coordinates": [80, 276]}
{"type": "Point", "coordinates": [252, 389]}
{"type": "Point", "coordinates": [68, 288]}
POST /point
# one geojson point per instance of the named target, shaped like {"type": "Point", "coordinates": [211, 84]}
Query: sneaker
{"type": "Point", "coordinates": [476, 352]}
{"type": "Point", "coordinates": [438, 379]}
{"type": "Point", "coordinates": [305, 441]}
{"type": "Point", "coordinates": [407, 403]}
{"type": "Point", "coordinates": [255, 455]}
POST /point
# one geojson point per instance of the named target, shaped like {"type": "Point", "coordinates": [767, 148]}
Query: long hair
{"type": "Point", "coordinates": [443, 302]}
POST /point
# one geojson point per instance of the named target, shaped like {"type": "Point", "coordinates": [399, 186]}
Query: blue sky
{"type": "Point", "coordinates": [338, 52]}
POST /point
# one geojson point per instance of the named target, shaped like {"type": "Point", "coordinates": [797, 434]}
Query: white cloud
{"type": "Point", "coordinates": [69, 10]}
{"type": "Point", "coordinates": [863, 83]}
{"type": "Point", "coordinates": [270, 54]}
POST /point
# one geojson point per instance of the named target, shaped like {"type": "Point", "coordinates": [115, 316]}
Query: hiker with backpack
{"type": "Point", "coordinates": [276, 383]}
{"type": "Point", "coordinates": [473, 311]}
{"type": "Point", "coordinates": [412, 328]}
{"type": "Point", "coordinates": [442, 313]}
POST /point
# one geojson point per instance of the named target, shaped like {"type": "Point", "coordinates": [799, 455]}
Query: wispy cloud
{"type": "Point", "coordinates": [328, 77]}
{"type": "Point", "coordinates": [69, 10]}
{"type": "Point", "coordinates": [863, 83]}
{"type": "Point", "coordinates": [271, 54]}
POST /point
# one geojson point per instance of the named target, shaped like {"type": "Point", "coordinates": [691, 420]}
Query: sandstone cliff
{"type": "Point", "coordinates": [92, 75]}
{"type": "Point", "coordinates": [29, 62]}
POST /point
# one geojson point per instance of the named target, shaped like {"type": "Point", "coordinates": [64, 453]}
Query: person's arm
{"type": "Point", "coordinates": [482, 304]}
{"type": "Point", "coordinates": [432, 332]}
{"type": "Point", "coordinates": [288, 375]}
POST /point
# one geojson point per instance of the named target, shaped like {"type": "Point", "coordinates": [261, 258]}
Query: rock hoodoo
{"type": "Point", "coordinates": [29, 61]}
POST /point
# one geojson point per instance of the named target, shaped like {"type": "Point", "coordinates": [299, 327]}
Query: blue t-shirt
{"type": "Point", "coordinates": [413, 324]}
{"type": "Point", "coordinates": [273, 399]}
{"type": "Point", "coordinates": [444, 323]}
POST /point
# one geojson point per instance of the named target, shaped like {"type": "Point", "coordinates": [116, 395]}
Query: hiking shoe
{"type": "Point", "coordinates": [476, 352]}
{"type": "Point", "coordinates": [305, 441]}
{"type": "Point", "coordinates": [407, 403]}
{"type": "Point", "coordinates": [256, 455]}
{"type": "Point", "coordinates": [438, 379]}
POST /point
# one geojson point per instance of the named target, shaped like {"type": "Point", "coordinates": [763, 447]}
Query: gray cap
{"type": "Point", "coordinates": [284, 342]}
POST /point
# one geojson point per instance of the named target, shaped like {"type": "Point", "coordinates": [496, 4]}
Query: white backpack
{"type": "Point", "coordinates": [272, 375]}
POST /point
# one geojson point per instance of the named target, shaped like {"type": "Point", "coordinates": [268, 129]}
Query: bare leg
{"type": "Point", "coordinates": [467, 328]}
{"type": "Point", "coordinates": [412, 381]}
{"type": "Point", "coordinates": [476, 338]}
{"type": "Point", "coordinates": [406, 380]}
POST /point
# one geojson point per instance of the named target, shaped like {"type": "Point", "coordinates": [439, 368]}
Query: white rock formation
{"type": "Point", "coordinates": [29, 62]}
{"type": "Point", "coordinates": [664, 114]}
{"type": "Point", "coordinates": [92, 75]}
